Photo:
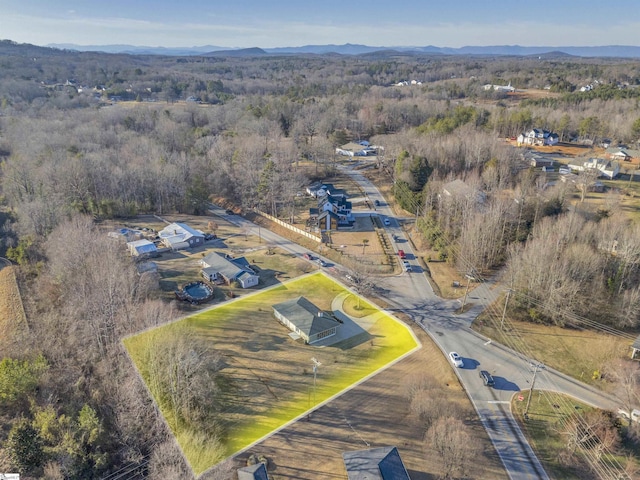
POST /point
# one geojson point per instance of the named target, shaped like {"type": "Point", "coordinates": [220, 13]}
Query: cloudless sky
{"type": "Point", "coordinates": [290, 23]}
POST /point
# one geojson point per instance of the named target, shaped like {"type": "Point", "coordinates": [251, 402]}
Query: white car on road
{"type": "Point", "coordinates": [456, 359]}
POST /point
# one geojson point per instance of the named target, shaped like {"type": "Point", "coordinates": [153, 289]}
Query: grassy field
{"type": "Point", "coordinates": [578, 353]}
{"type": "Point", "coordinates": [548, 413]}
{"type": "Point", "coordinates": [545, 427]}
{"type": "Point", "coordinates": [269, 374]}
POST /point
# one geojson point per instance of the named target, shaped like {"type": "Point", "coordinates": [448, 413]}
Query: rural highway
{"type": "Point", "coordinates": [411, 293]}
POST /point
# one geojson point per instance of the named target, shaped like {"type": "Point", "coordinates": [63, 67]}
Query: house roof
{"type": "Point", "coordinates": [306, 316]}
{"type": "Point", "coordinates": [458, 187]}
{"type": "Point", "coordinates": [382, 463]}
{"type": "Point", "coordinates": [143, 246]}
{"type": "Point", "coordinates": [179, 232]}
{"type": "Point", "coordinates": [253, 472]}
{"type": "Point", "coordinates": [229, 268]}
{"type": "Point", "coordinates": [330, 213]}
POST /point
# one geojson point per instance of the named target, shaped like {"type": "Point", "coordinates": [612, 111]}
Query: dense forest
{"type": "Point", "coordinates": [90, 136]}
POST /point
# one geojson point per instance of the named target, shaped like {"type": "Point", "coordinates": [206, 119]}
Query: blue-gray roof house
{"type": "Point", "coordinates": [305, 320]}
{"type": "Point", "coordinates": [382, 463]}
{"type": "Point", "coordinates": [218, 266]}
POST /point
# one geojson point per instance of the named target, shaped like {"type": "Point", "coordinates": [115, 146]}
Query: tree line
{"type": "Point", "coordinates": [70, 159]}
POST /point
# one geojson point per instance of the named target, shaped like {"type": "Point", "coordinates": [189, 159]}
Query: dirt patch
{"type": "Point", "coordinates": [374, 414]}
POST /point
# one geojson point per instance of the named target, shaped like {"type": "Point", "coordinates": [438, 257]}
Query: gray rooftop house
{"type": "Point", "coordinates": [305, 320]}
{"type": "Point", "coordinates": [178, 236]}
{"type": "Point", "coordinates": [218, 266]}
{"type": "Point", "coordinates": [253, 472]}
{"type": "Point", "coordinates": [382, 463]}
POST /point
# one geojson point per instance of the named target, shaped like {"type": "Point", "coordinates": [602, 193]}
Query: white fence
{"type": "Point", "coordinates": [289, 226]}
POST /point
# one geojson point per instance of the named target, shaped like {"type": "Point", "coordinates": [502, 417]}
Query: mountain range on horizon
{"type": "Point", "coordinates": [620, 51]}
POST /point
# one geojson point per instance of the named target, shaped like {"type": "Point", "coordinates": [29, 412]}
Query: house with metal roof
{"type": "Point", "coordinates": [305, 320]}
{"type": "Point", "coordinates": [142, 247]}
{"type": "Point", "coordinates": [178, 236]}
{"type": "Point", "coordinates": [382, 463]}
{"type": "Point", "coordinates": [220, 267]}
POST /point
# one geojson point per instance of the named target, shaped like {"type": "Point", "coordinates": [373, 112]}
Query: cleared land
{"type": "Point", "coordinates": [269, 375]}
{"type": "Point", "coordinates": [376, 413]}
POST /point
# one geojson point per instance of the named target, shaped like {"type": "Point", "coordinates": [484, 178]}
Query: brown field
{"type": "Point", "coordinates": [12, 317]}
{"type": "Point", "coordinates": [578, 353]}
{"type": "Point", "coordinates": [373, 414]}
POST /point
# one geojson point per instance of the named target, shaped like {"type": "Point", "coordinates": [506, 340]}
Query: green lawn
{"type": "Point", "coordinates": [268, 378]}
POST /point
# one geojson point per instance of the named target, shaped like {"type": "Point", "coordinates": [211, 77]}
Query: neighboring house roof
{"type": "Point", "coordinates": [142, 246]}
{"type": "Point", "coordinates": [308, 318]}
{"type": "Point", "coordinates": [329, 213]}
{"type": "Point", "coordinates": [179, 232]}
{"type": "Point", "coordinates": [458, 188]}
{"type": "Point", "coordinates": [230, 268]}
{"type": "Point", "coordinates": [382, 463]}
{"type": "Point", "coordinates": [623, 152]}
{"type": "Point", "coordinates": [253, 472]}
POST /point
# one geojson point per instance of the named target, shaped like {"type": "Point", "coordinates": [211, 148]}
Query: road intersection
{"type": "Point", "coordinates": [412, 294]}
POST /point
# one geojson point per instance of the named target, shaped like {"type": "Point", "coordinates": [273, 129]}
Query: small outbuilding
{"type": "Point", "coordinates": [306, 320]}
{"type": "Point", "coordinates": [142, 247]}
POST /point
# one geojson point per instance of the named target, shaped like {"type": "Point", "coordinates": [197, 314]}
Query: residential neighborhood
{"type": "Point", "coordinates": [318, 262]}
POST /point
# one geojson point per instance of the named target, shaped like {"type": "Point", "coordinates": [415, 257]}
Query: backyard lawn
{"type": "Point", "coordinates": [268, 378]}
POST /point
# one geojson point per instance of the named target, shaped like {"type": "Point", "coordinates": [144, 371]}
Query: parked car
{"type": "Point", "coordinates": [487, 379]}
{"type": "Point", "coordinates": [230, 212]}
{"type": "Point", "coordinates": [401, 254]}
{"type": "Point", "coordinates": [407, 266]}
{"type": "Point", "coordinates": [456, 359]}
{"type": "Point", "coordinates": [321, 262]}
{"type": "Point", "coordinates": [307, 256]}
{"type": "Point", "coordinates": [376, 203]}
{"type": "Point", "coordinates": [634, 417]}
{"type": "Point", "coordinates": [387, 222]}
{"type": "Point", "coordinates": [350, 278]}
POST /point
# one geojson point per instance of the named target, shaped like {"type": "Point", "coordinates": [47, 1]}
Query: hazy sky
{"type": "Point", "coordinates": [288, 23]}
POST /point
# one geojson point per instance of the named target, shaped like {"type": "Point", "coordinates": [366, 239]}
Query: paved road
{"type": "Point", "coordinates": [412, 294]}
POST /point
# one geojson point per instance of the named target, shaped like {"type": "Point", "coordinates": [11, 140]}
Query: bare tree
{"type": "Point", "coordinates": [449, 437]}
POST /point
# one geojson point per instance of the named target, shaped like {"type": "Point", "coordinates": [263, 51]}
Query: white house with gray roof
{"type": "Point", "coordinates": [178, 236]}
{"type": "Point", "coordinates": [220, 267]}
{"type": "Point", "coordinates": [305, 320]}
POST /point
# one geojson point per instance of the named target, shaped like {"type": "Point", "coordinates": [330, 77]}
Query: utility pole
{"type": "Point", "coordinates": [466, 291]}
{"type": "Point", "coordinates": [504, 312]}
{"type": "Point", "coordinates": [316, 364]}
{"type": "Point", "coordinates": [536, 368]}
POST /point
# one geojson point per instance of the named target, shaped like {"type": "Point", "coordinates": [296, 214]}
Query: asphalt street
{"type": "Point", "coordinates": [411, 293]}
